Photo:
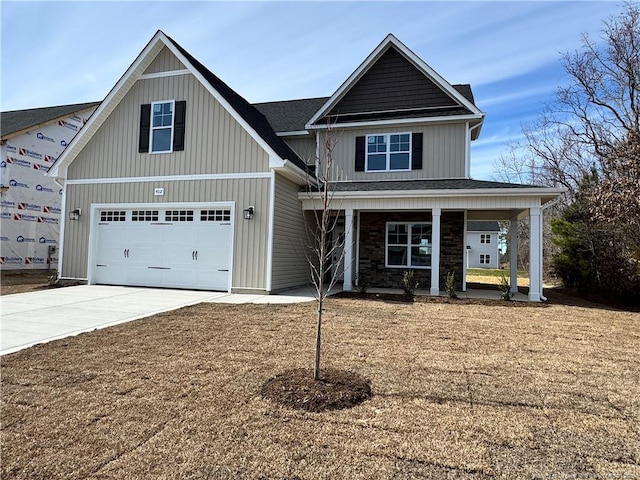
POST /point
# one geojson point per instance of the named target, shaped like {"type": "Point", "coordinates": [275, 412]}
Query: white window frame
{"type": "Point", "coordinates": [408, 245]}
{"type": "Point", "coordinates": [485, 259]}
{"type": "Point", "coordinates": [388, 152]}
{"type": "Point", "coordinates": [163, 127]}
{"type": "Point", "coordinates": [485, 238]}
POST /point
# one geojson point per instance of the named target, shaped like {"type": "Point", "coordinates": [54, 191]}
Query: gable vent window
{"type": "Point", "coordinates": [144, 216]}
{"type": "Point", "coordinates": [178, 216]}
{"type": "Point", "coordinates": [389, 152]}
{"type": "Point", "coordinates": [162, 127]}
{"type": "Point", "coordinates": [113, 216]}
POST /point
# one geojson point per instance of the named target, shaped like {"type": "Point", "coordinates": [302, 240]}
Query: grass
{"type": "Point", "coordinates": [461, 391]}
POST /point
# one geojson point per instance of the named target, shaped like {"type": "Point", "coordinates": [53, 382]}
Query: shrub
{"type": "Point", "coordinates": [52, 278]}
{"type": "Point", "coordinates": [409, 283]}
{"type": "Point", "coordinates": [505, 289]}
{"type": "Point", "coordinates": [362, 283]}
{"type": "Point", "coordinates": [450, 285]}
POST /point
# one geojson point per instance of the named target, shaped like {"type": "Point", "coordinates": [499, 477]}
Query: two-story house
{"type": "Point", "coordinates": [177, 181]}
{"type": "Point", "coordinates": [483, 249]}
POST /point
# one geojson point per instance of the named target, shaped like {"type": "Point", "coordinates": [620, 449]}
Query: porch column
{"type": "Point", "coordinates": [513, 255]}
{"type": "Point", "coordinates": [435, 251]}
{"type": "Point", "coordinates": [348, 249]}
{"type": "Point", "coordinates": [535, 257]}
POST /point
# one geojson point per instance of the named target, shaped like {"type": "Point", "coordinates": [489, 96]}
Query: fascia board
{"type": "Point", "coordinates": [106, 107]}
{"type": "Point", "coordinates": [444, 193]}
{"type": "Point", "coordinates": [398, 121]}
{"type": "Point", "coordinates": [362, 68]}
{"type": "Point", "coordinates": [295, 173]}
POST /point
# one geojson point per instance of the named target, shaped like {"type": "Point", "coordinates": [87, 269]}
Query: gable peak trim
{"type": "Point", "coordinates": [391, 41]}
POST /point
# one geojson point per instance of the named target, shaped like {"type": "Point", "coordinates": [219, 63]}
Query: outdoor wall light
{"type": "Point", "coordinates": [248, 213]}
{"type": "Point", "coordinates": [468, 247]}
{"type": "Point", "coordinates": [75, 214]}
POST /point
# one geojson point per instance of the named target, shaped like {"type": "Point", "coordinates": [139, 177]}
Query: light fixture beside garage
{"type": "Point", "coordinates": [248, 213]}
{"type": "Point", "coordinates": [75, 214]}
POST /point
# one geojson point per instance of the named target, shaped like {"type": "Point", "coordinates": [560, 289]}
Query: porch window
{"type": "Point", "coordinates": [408, 245]}
{"type": "Point", "coordinates": [389, 152]}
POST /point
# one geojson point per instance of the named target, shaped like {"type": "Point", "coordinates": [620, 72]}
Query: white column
{"type": "Point", "coordinates": [435, 251]}
{"type": "Point", "coordinates": [535, 260]}
{"type": "Point", "coordinates": [348, 249]}
{"type": "Point", "coordinates": [513, 255]}
{"type": "Point", "coordinates": [465, 254]}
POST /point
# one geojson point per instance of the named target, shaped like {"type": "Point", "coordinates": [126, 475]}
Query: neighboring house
{"type": "Point", "coordinates": [30, 221]}
{"type": "Point", "coordinates": [178, 181]}
{"type": "Point", "coordinates": [482, 244]}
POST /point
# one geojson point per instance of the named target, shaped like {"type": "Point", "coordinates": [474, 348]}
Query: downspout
{"type": "Point", "coordinates": [62, 225]}
{"type": "Point", "coordinates": [467, 161]}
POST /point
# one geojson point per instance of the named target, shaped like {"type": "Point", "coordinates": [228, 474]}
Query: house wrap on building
{"type": "Point", "coordinates": [177, 181]}
{"type": "Point", "coordinates": [31, 202]}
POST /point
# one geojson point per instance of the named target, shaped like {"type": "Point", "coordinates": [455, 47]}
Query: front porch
{"type": "Point", "coordinates": [391, 227]}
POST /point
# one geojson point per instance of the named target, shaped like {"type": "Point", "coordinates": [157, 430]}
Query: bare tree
{"type": "Point", "coordinates": [325, 250]}
{"type": "Point", "coordinates": [592, 114]}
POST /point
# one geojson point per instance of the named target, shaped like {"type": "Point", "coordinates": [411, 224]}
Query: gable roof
{"type": "Point", "coordinates": [424, 88]}
{"type": "Point", "coordinates": [482, 226]}
{"type": "Point", "coordinates": [15, 121]}
{"type": "Point", "coordinates": [247, 111]}
{"type": "Point", "coordinates": [280, 154]}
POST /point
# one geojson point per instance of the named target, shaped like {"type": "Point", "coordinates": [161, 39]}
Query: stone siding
{"type": "Point", "coordinates": [372, 248]}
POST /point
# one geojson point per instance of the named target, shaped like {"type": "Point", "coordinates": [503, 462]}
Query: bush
{"type": "Point", "coordinates": [409, 283]}
{"type": "Point", "coordinates": [505, 289]}
{"type": "Point", "coordinates": [450, 285]}
{"type": "Point", "coordinates": [362, 283]}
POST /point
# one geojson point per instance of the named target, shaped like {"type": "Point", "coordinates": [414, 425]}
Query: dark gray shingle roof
{"type": "Point", "coordinates": [482, 226]}
{"type": "Point", "coordinates": [17, 120]}
{"type": "Point", "coordinates": [247, 111]}
{"type": "Point", "coordinates": [290, 115]}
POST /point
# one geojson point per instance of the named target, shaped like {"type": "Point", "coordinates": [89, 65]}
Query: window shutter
{"type": "Point", "coordinates": [145, 126]}
{"type": "Point", "coordinates": [360, 154]}
{"type": "Point", "coordinates": [178, 125]}
{"type": "Point", "coordinates": [416, 151]}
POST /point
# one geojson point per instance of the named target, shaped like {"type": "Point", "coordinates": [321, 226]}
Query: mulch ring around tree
{"type": "Point", "coordinates": [336, 389]}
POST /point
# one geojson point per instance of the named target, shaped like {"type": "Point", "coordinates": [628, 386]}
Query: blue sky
{"type": "Point", "coordinates": [56, 53]}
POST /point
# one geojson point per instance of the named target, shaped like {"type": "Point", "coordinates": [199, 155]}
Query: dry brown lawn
{"type": "Point", "coordinates": [461, 391]}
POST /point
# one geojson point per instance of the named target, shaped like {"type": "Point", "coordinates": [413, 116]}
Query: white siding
{"type": "Point", "coordinates": [477, 249]}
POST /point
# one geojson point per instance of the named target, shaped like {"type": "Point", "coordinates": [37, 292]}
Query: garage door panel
{"type": "Point", "coordinates": [191, 249]}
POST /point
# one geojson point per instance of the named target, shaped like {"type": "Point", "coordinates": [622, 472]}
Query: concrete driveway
{"type": "Point", "coordinates": [36, 317]}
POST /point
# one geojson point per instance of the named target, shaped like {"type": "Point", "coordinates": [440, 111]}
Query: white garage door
{"type": "Point", "coordinates": [166, 247]}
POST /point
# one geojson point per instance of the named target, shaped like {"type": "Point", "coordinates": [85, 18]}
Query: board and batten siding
{"type": "Point", "coordinates": [304, 146]}
{"type": "Point", "coordinates": [250, 236]}
{"type": "Point", "coordinates": [443, 153]}
{"type": "Point", "coordinates": [165, 61]}
{"type": "Point", "coordinates": [290, 267]}
{"type": "Point", "coordinates": [214, 141]}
